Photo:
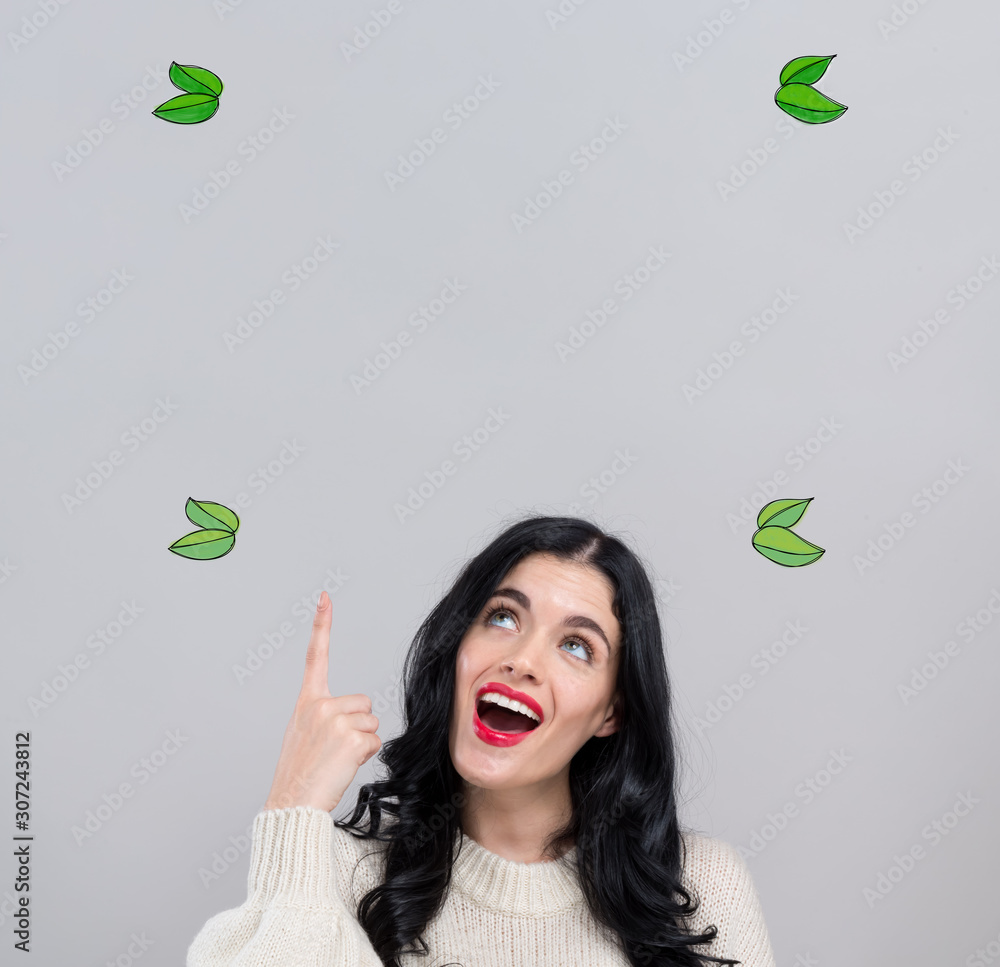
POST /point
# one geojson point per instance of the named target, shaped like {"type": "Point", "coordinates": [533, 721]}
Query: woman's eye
{"type": "Point", "coordinates": [583, 648]}
{"type": "Point", "coordinates": [501, 614]}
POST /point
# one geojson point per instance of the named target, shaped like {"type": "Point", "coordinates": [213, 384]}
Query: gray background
{"type": "Point", "coordinates": [68, 571]}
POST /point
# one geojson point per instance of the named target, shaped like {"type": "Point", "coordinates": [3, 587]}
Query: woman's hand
{"type": "Point", "coordinates": [328, 738]}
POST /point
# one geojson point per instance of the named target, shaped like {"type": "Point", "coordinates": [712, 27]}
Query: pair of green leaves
{"type": "Point", "coordinates": [217, 537]}
{"type": "Point", "coordinates": [201, 101]}
{"type": "Point", "coordinates": [798, 98]}
{"type": "Point", "coordinates": [776, 542]}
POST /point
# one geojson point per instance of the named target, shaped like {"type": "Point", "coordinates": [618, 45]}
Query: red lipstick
{"type": "Point", "coordinates": [503, 739]}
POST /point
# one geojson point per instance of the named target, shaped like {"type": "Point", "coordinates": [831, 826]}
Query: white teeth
{"type": "Point", "coordinates": [510, 703]}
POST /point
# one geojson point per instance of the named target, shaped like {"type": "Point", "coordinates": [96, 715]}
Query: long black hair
{"type": "Point", "coordinates": [623, 786]}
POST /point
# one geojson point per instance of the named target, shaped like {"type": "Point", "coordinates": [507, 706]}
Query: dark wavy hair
{"type": "Point", "coordinates": [623, 786]}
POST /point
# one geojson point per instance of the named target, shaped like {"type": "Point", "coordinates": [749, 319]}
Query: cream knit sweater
{"type": "Point", "coordinates": [300, 911]}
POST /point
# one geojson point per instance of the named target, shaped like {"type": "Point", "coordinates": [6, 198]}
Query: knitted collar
{"type": "Point", "coordinates": [514, 889]}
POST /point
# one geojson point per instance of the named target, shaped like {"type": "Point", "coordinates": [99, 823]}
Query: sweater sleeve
{"type": "Point", "coordinates": [752, 943]}
{"type": "Point", "coordinates": [294, 915]}
{"type": "Point", "coordinates": [715, 871]}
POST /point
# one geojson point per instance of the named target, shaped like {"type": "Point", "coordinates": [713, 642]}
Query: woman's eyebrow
{"type": "Point", "coordinates": [573, 620]}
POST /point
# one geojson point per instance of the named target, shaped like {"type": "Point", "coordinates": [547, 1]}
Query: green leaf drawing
{"type": "Point", "coordinates": [204, 545]}
{"type": "Point", "coordinates": [188, 108]}
{"type": "Point", "coordinates": [807, 104]}
{"type": "Point", "coordinates": [782, 513]}
{"type": "Point", "coordinates": [804, 70]}
{"type": "Point", "coordinates": [207, 513]}
{"type": "Point", "coordinates": [782, 546]}
{"type": "Point", "coordinates": [196, 80]}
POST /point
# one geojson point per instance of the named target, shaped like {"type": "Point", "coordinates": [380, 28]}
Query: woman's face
{"type": "Point", "coordinates": [537, 646]}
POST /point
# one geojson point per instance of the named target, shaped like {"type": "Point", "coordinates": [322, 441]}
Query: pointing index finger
{"type": "Point", "coordinates": [315, 681]}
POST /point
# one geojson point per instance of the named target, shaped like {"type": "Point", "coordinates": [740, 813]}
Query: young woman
{"type": "Point", "coordinates": [529, 815]}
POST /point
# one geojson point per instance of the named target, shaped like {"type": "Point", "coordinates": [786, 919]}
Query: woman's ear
{"type": "Point", "coordinates": [613, 720]}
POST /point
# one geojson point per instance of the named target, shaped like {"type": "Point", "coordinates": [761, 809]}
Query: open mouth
{"type": "Point", "coordinates": [502, 719]}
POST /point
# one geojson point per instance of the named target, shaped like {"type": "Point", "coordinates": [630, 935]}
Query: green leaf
{"type": "Point", "coordinates": [807, 104]}
{"type": "Point", "coordinates": [188, 108]}
{"type": "Point", "coordinates": [781, 513]}
{"type": "Point", "coordinates": [205, 545]}
{"type": "Point", "coordinates": [782, 546]}
{"type": "Point", "coordinates": [805, 70]}
{"type": "Point", "coordinates": [207, 513]}
{"type": "Point", "coordinates": [195, 80]}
